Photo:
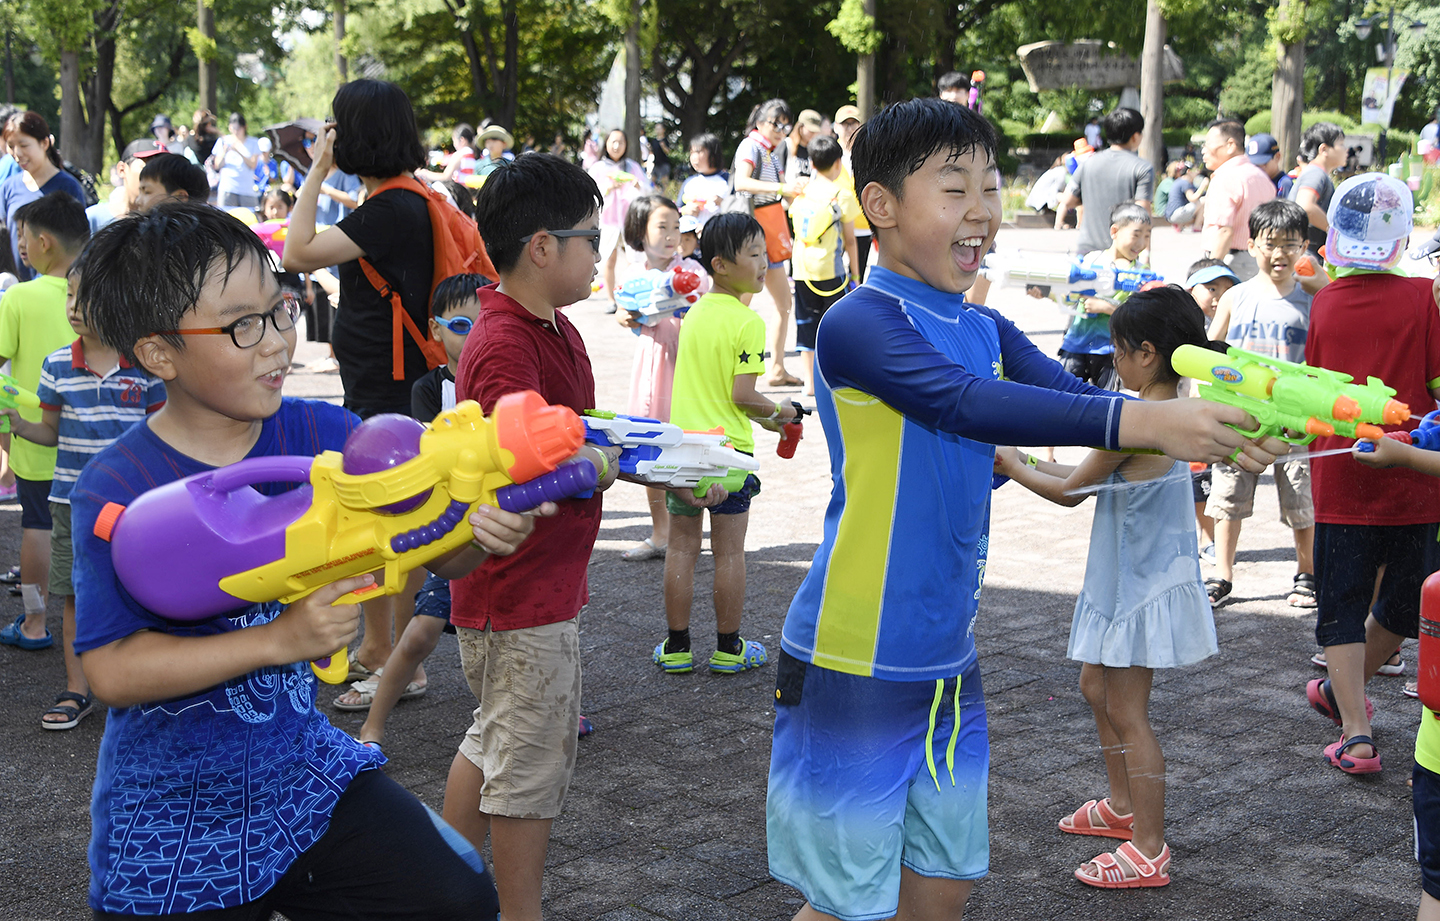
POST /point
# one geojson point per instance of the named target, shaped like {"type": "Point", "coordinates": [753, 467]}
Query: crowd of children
{"type": "Point", "coordinates": [159, 344]}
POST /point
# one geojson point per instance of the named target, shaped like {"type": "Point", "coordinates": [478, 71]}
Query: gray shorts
{"type": "Point", "coordinates": [1232, 494]}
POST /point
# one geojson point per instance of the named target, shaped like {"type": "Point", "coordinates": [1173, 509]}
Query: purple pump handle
{"type": "Point", "coordinates": [276, 469]}
{"type": "Point", "coordinates": [564, 482]}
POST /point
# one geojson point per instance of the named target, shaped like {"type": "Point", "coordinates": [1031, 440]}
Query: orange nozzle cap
{"type": "Point", "coordinates": [1345, 409]}
{"type": "Point", "coordinates": [1373, 432]}
{"type": "Point", "coordinates": [1395, 412]}
{"type": "Point", "coordinates": [105, 521]}
{"type": "Point", "coordinates": [538, 435]}
{"type": "Point", "coordinates": [1315, 426]}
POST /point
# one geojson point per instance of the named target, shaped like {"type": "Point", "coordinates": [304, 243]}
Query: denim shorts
{"type": "Point", "coordinates": [737, 503]}
{"type": "Point", "coordinates": [1347, 557]}
{"type": "Point", "coordinates": [34, 498]}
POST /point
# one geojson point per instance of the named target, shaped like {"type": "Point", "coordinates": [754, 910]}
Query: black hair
{"type": "Point", "coordinates": [897, 141]}
{"type": "Point", "coordinates": [1205, 263]}
{"type": "Point", "coordinates": [535, 191]}
{"type": "Point", "coordinates": [453, 291]}
{"type": "Point", "coordinates": [1121, 125]}
{"type": "Point", "coordinates": [7, 255]}
{"type": "Point", "coordinates": [176, 173]}
{"type": "Point", "coordinates": [824, 152]}
{"type": "Point", "coordinates": [724, 234]}
{"type": "Point", "coordinates": [772, 110]}
{"type": "Point", "coordinates": [467, 134]}
{"type": "Point", "coordinates": [239, 119]}
{"type": "Point", "coordinates": [605, 146]}
{"type": "Point", "coordinates": [33, 124]}
{"type": "Point", "coordinates": [59, 215]}
{"type": "Point", "coordinates": [1319, 133]}
{"type": "Point", "coordinates": [375, 132]}
{"type": "Point", "coordinates": [954, 80]}
{"type": "Point", "coordinates": [1166, 317]}
{"type": "Point", "coordinates": [1279, 215]}
{"type": "Point", "coordinates": [463, 196]}
{"type": "Point", "coordinates": [637, 218]}
{"type": "Point", "coordinates": [1127, 213]}
{"type": "Point", "coordinates": [144, 272]}
{"type": "Point", "coordinates": [1229, 128]}
{"type": "Point", "coordinates": [281, 194]}
{"type": "Point", "coordinates": [711, 145]}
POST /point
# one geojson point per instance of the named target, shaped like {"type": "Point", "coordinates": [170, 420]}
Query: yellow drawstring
{"type": "Point", "coordinates": [954, 734]}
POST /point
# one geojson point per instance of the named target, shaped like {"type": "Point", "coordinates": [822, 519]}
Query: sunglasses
{"type": "Point", "coordinates": [592, 235]}
{"type": "Point", "coordinates": [460, 326]}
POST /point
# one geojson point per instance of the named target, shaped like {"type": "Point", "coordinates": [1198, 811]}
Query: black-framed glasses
{"type": "Point", "coordinates": [460, 326]}
{"type": "Point", "coordinates": [592, 235]}
{"type": "Point", "coordinates": [249, 331]}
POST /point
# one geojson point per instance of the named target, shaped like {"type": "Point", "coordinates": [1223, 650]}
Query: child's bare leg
{"type": "Point", "coordinates": [1127, 704]}
{"type": "Point", "coordinates": [416, 644]}
{"type": "Point", "coordinates": [1350, 667]}
{"type": "Point", "coordinates": [777, 285]}
{"type": "Point", "coordinates": [517, 851]}
{"type": "Point", "coordinates": [1227, 540]}
{"type": "Point", "coordinates": [34, 577]}
{"type": "Point", "coordinates": [680, 562]}
{"type": "Point", "coordinates": [610, 262]}
{"type": "Point", "coordinates": [1305, 550]}
{"type": "Point", "coordinates": [462, 801]}
{"type": "Point", "coordinates": [809, 357]}
{"type": "Point", "coordinates": [74, 674]}
{"type": "Point", "coordinates": [1429, 908]}
{"type": "Point", "coordinates": [727, 542]}
{"type": "Point", "coordinates": [1206, 523]}
{"type": "Point", "coordinates": [659, 516]}
{"type": "Point", "coordinates": [1094, 689]}
{"type": "Point", "coordinates": [376, 644]}
{"type": "Point", "coordinates": [922, 898]}
{"type": "Point", "coordinates": [405, 612]}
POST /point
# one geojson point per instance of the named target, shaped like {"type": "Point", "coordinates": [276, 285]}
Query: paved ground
{"type": "Point", "coordinates": [665, 819]}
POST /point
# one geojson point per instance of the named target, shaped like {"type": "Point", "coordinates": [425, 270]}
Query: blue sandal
{"type": "Point", "coordinates": [751, 655]}
{"type": "Point", "coordinates": [11, 636]}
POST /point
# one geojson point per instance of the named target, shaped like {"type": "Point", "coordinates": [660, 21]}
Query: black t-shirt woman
{"type": "Point", "coordinates": [374, 137]}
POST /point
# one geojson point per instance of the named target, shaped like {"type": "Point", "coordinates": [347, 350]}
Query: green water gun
{"type": "Point", "coordinates": [13, 396]}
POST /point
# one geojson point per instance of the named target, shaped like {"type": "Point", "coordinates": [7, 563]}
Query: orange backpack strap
{"type": "Point", "coordinates": [401, 322]}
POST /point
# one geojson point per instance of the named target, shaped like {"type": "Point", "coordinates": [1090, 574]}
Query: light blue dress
{"type": "Point", "coordinates": [1143, 603]}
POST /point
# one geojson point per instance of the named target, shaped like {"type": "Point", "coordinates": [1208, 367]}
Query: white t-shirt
{"type": "Point", "coordinates": [235, 177]}
{"type": "Point", "coordinates": [705, 189]}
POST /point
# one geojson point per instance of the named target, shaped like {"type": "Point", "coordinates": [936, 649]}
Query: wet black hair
{"type": "Point", "coordinates": [59, 215]}
{"type": "Point", "coordinates": [1319, 133]}
{"type": "Point", "coordinates": [824, 152]}
{"type": "Point", "coordinates": [466, 133]}
{"type": "Point", "coordinates": [897, 141]}
{"type": "Point", "coordinates": [1166, 317]}
{"type": "Point", "coordinates": [711, 145]}
{"type": "Point", "coordinates": [535, 191]}
{"type": "Point", "coordinates": [725, 234]}
{"type": "Point", "coordinates": [176, 173]}
{"type": "Point", "coordinates": [1120, 126]}
{"type": "Point", "coordinates": [1279, 215]}
{"type": "Point", "coordinates": [375, 132]}
{"type": "Point", "coordinates": [637, 218]}
{"type": "Point", "coordinates": [281, 194]}
{"type": "Point", "coordinates": [463, 196]}
{"type": "Point", "coordinates": [453, 291]}
{"type": "Point", "coordinates": [1229, 128]}
{"type": "Point", "coordinates": [144, 272]}
{"type": "Point", "coordinates": [1127, 213]}
{"type": "Point", "coordinates": [954, 80]}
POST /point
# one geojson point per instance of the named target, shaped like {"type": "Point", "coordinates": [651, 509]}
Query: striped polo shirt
{"type": "Point", "coordinates": [95, 409]}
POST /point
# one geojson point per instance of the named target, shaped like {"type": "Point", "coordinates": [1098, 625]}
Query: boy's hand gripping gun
{"type": "Point", "coordinates": [1283, 395]}
{"type": "Point", "coordinates": [654, 295]}
{"type": "Point", "coordinates": [397, 497]}
{"type": "Point", "coordinates": [13, 396]}
{"type": "Point", "coordinates": [1426, 437]}
{"type": "Point", "coordinates": [661, 454]}
{"type": "Point", "coordinates": [1063, 275]}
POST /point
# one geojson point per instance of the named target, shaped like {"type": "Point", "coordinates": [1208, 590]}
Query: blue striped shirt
{"type": "Point", "coordinates": [95, 409]}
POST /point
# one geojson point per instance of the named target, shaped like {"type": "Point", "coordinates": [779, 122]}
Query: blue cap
{"type": "Point", "coordinates": [1209, 274]}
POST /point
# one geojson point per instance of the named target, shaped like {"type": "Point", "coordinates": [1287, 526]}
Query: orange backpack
{"type": "Point", "coordinates": [458, 250]}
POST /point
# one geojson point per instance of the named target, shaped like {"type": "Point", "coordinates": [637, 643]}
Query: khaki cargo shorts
{"type": "Point", "coordinates": [1232, 494]}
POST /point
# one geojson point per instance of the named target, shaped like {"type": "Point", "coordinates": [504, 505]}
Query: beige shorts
{"type": "Point", "coordinates": [1232, 494]}
{"type": "Point", "coordinates": [524, 735]}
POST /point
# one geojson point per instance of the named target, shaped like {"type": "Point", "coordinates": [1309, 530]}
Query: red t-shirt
{"type": "Point", "coordinates": [509, 350]}
{"type": "Point", "coordinates": [1383, 326]}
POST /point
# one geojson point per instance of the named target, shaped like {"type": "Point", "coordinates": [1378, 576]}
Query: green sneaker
{"type": "Point", "coordinates": [751, 655]}
{"type": "Point", "coordinates": [676, 663]}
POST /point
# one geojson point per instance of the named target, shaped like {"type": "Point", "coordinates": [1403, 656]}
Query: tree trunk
{"type": "Point", "coordinates": [342, 66]}
{"type": "Point", "coordinates": [1152, 88]}
{"type": "Point", "coordinates": [72, 106]}
{"type": "Point", "coordinates": [949, 34]}
{"type": "Point", "coordinates": [632, 83]}
{"type": "Point", "coordinates": [865, 75]}
{"type": "Point", "coordinates": [9, 71]}
{"type": "Point", "coordinates": [510, 89]}
{"type": "Point", "coordinates": [209, 67]}
{"type": "Point", "coordinates": [1287, 99]}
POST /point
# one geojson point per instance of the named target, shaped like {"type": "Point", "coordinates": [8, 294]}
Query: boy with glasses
{"type": "Point", "coordinates": [1270, 315]}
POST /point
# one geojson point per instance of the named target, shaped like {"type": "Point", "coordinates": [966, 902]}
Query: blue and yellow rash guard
{"type": "Point", "coordinates": [910, 392]}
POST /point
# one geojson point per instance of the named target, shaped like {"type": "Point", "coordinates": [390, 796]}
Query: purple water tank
{"type": "Point", "coordinates": [381, 442]}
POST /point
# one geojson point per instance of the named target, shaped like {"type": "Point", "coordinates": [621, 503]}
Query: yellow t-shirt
{"type": "Point", "coordinates": [816, 215]}
{"type": "Point", "coordinates": [1427, 741]}
{"type": "Point", "coordinates": [847, 181]}
{"type": "Point", "coordinates": [720, 339]}
{"type": "Point", "coordinates": [32, 325]}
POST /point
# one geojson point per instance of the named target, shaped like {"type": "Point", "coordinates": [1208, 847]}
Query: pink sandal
{"type": "Point", "coordinates": [1351, 764]}
{"type": "Point", "coordinates": [1111, 825]}
{"type": "Point", "coordinates": [1148, 874]}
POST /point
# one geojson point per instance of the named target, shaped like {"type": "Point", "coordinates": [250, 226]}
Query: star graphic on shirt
{"type": "Point", "coordinates": [744, 357]}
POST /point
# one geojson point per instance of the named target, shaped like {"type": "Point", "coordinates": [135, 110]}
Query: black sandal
{"type": "Point", "coordinates": [1303, 590]}
{"type": "Point", "coordinates": [74, 707]}
{"type": "Point", "coordinates": [1218, 590]}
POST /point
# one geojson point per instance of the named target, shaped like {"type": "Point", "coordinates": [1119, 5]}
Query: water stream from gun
{"type": "Point", "coordinates": [1186, 473]}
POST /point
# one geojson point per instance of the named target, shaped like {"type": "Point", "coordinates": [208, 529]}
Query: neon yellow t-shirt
{"type": "Point", "coordinates": [1427, 741]}
{"type": "Point", "coordinates": [825, 204]}
{"type": "Point", "coordinates": [720, 339]}
{"type": "Point", "coordinates": [847, 181]}
{"type": "Point", "coordinates": [32, 325]}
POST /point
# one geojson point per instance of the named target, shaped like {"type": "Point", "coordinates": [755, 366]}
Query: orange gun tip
{"type": "Point", "coordinates": [1315, 426]}
{"type": "Point", "coordinates": [1395, 412]}
{"type": "Point", "coordinates": [1365, 430]}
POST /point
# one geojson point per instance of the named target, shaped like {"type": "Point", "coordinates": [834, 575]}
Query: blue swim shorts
{"type": "Point", "coordinates": [867, 776]}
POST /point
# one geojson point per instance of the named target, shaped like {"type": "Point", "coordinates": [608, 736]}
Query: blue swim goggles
{"type": "Point", "coordinates": [460, 326]}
